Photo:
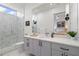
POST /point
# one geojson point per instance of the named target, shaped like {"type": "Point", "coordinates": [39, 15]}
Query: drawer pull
{"type": "Point", "coordinates": [64, 49]}
{"type": "Point", "coordinates": [27, 44]}
{"type": "Point", "coordinates": [64, 54]}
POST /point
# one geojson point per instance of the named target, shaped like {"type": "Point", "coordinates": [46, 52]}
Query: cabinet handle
{"type": "Point", "coordinates": [40, 43]}
{"type": "Point", "coordinates": [27, 44]}
{"type": "Point", "coordinates": [64, 49]}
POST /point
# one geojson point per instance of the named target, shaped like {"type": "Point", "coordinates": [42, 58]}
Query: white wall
{"type": "Point", "coordinates": [78, 16]}
{"type": "Point", "coordinates": [73, 17]}
{"type": "Point", "coordinates": [45, 20]}
{"type": "Point", "coordinates": [28, 16]}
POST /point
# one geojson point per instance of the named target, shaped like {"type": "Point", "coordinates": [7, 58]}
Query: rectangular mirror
{"type": "Point", "coordinates": [50, 18]}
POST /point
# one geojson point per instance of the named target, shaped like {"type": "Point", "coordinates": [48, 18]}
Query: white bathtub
{"type": "Point", "coordinates": [12, 47]}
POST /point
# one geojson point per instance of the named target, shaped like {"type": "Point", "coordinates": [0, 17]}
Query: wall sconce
{"type": "Point", "coordinates": [66, 26]}
{"type": "Point", "coordinates": [35, 22]}
{"type": "Point", "coordinates": [67, 17]}
{"type": "Point", "coordinates": [34, 18]}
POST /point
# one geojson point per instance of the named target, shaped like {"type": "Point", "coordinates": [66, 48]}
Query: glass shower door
{"type": "Point", "coordinates": [8, 32]}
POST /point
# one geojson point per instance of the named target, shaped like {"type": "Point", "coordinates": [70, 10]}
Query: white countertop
{"type": "Point", "coordinates": [61, 40]}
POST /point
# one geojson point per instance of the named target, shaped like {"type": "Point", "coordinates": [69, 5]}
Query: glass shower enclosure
{"type": "Point", "coordinates": [11, 32]}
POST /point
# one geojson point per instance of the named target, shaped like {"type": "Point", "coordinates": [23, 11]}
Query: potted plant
{"type": "Point", "coordinates": [72, 34]}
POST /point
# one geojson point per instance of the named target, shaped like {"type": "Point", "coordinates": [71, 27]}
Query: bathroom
{"type": "Point", "coordinates": [39, 29]}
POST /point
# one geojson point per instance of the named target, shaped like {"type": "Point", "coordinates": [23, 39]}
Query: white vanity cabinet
{"type": "Point", "coordinates": [27, 45]}
{"type": "Point", "coordinates": [32, 46]}
{"type": "Point", "coordinates": [64, 50]}
{"type": "Point", "coordinates": [45, 48]}
{"type": "Point", "coordinates": [37, 47]}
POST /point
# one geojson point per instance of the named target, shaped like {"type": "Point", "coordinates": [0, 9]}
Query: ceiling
{"type": "Point", "coordinates": [35, 6]}
{"type": "Point", "coordinates": [21, 5]}
{"type": "Point", "coordinates": [48, 6]}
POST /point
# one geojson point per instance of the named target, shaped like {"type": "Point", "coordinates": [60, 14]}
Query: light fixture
{"type": "Point", "coordinates": [67, 17]}
{"type": "Point", "coordinates": [34, 18]}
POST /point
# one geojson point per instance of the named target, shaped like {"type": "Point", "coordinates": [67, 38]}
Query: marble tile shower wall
{"type": "Point", "coordinates": [11, 30]}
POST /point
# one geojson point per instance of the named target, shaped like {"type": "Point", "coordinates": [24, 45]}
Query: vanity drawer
{"type": "Point", "coordinates": [61, 53]}
{"type": "Point", "coordinates": [66, 48]}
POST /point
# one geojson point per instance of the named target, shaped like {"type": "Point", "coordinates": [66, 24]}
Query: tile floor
{"type": "Point", "coordinates": [16, 52]}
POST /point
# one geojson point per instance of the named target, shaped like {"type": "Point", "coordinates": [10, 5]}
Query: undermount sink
{"type": "Point", "coordinates": [40, 35]}
{"type": "Point", "coordinates": [34, 35]}
{"type": "Point", "coordinates": [43, 36]}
